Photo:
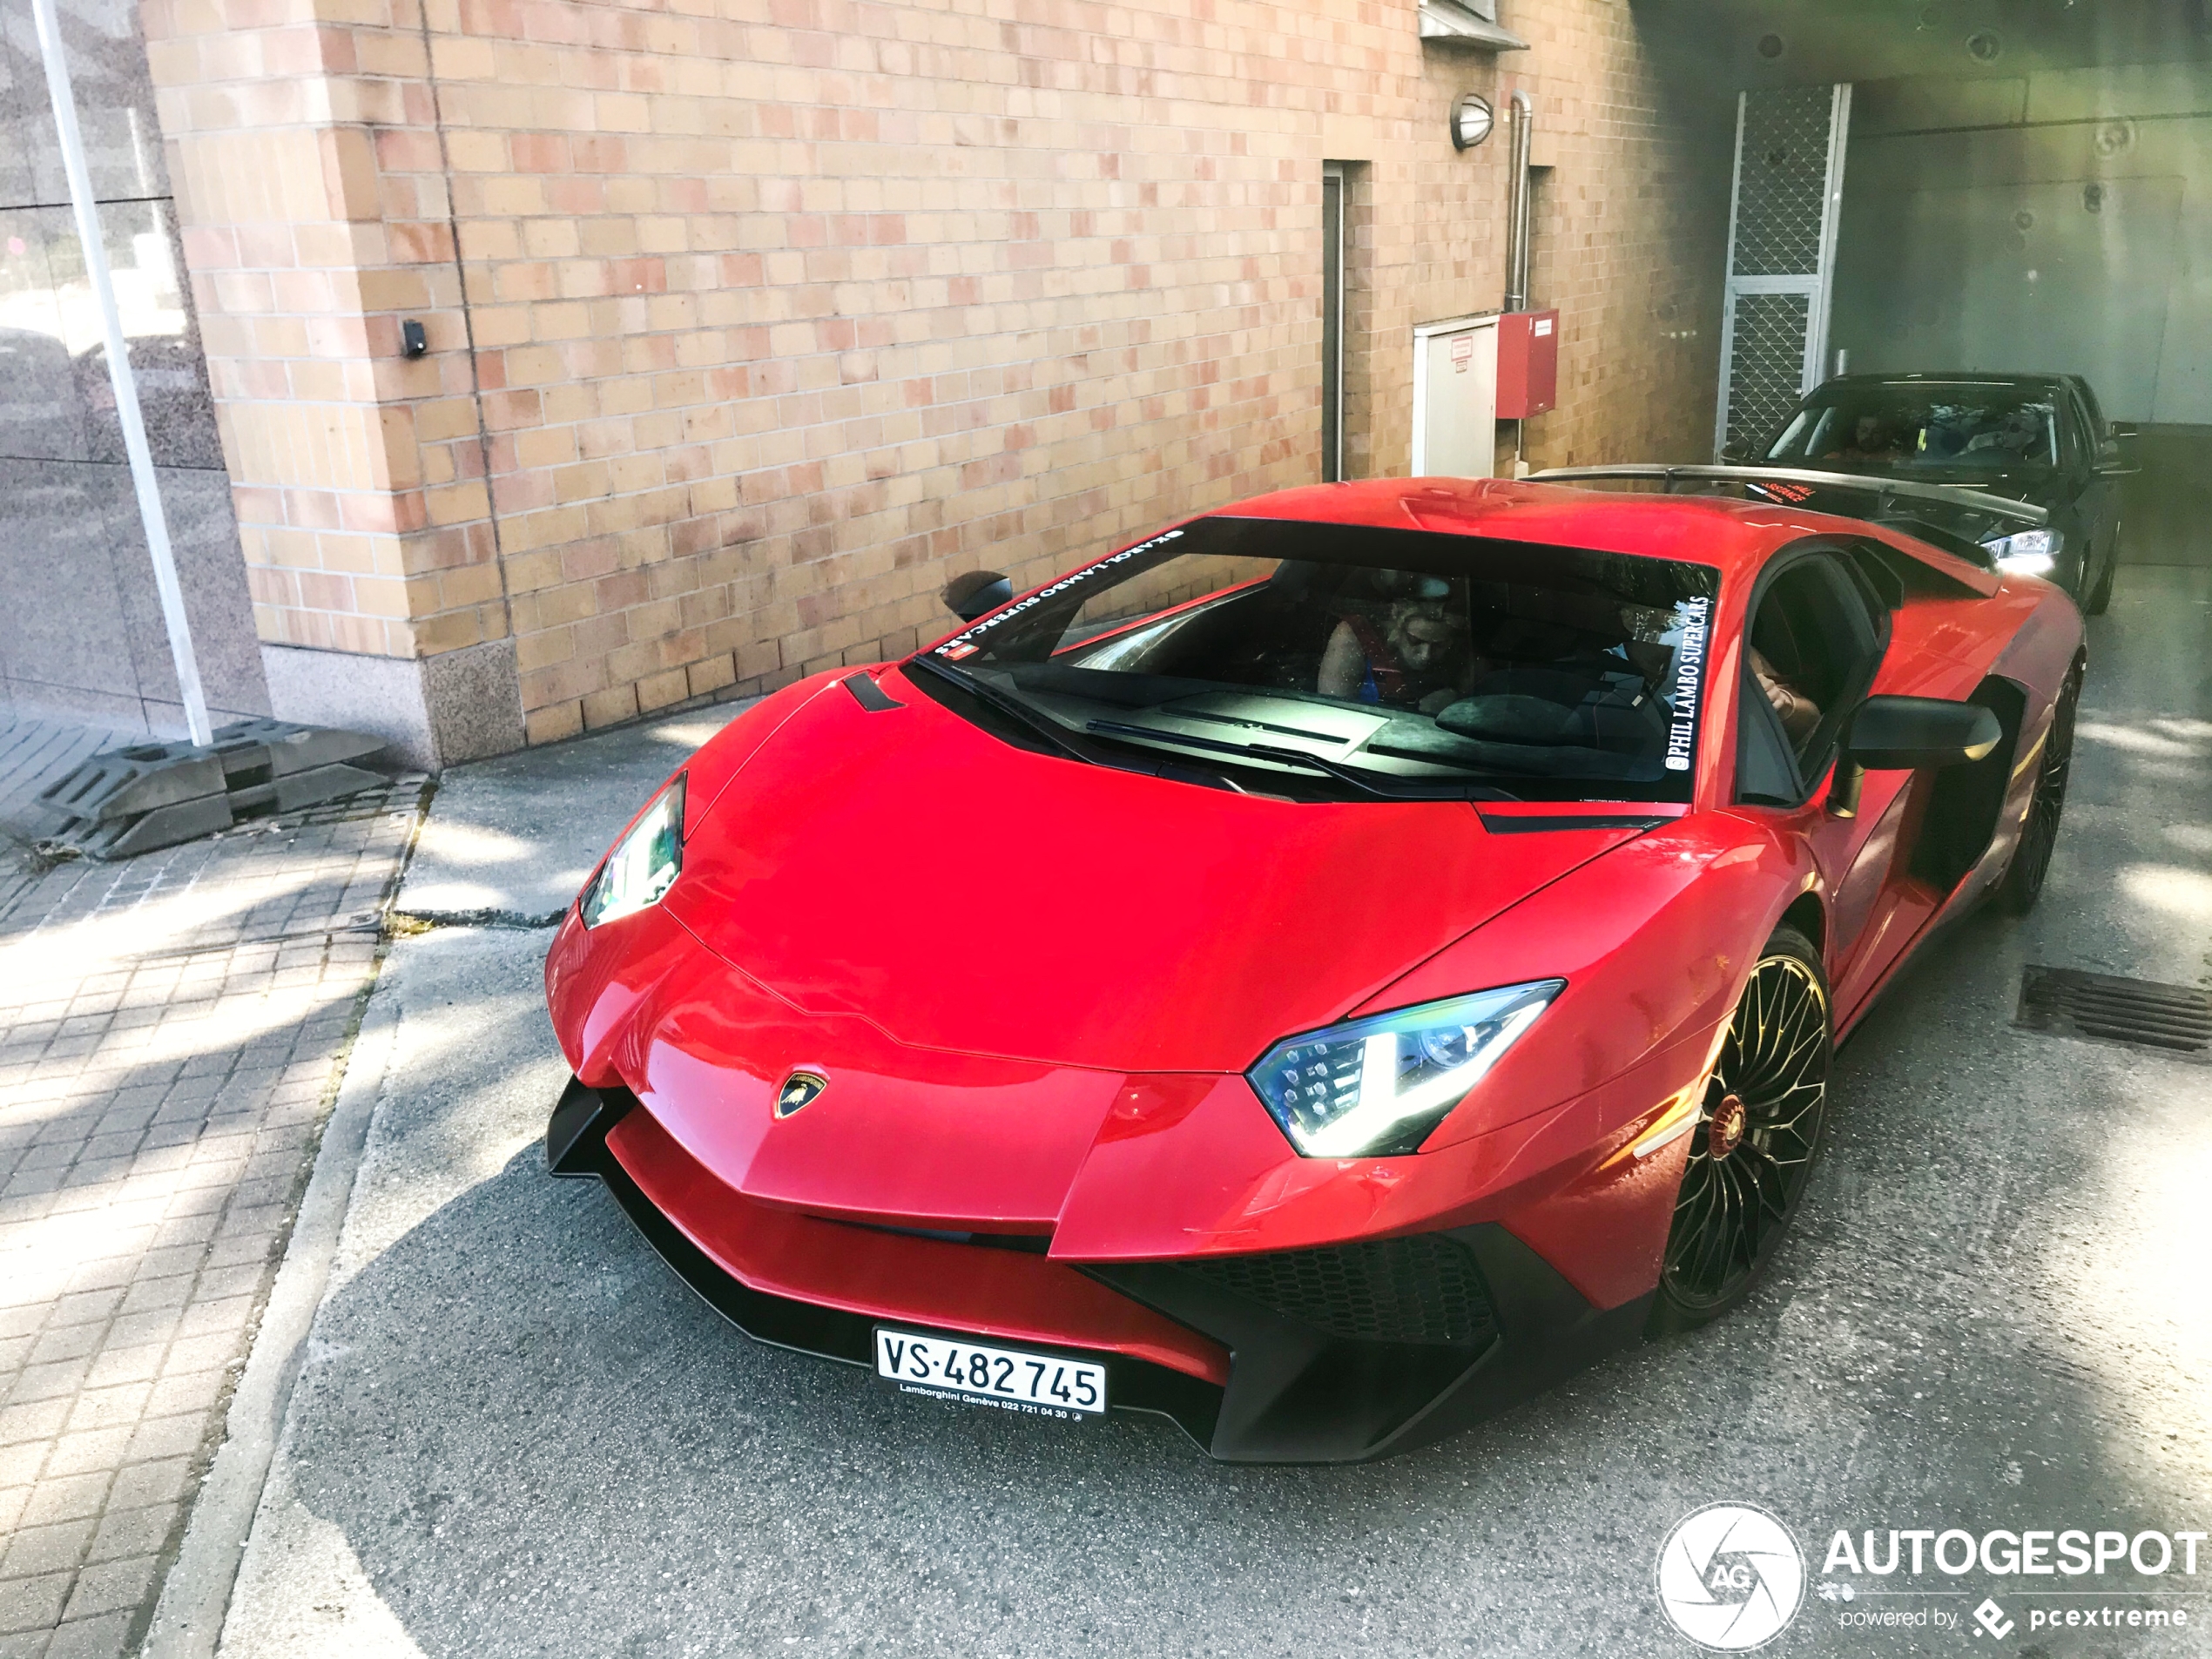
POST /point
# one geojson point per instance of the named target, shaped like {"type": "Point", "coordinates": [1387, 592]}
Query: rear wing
{"type": "Point", "coordinates": [1950, 516]}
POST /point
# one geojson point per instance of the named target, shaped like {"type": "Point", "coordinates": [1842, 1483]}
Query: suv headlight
{"type": "Point", "coordinates": [2030, 552]}
{"type": "Point", "coordinates": [644, 864]}
{"type": "Point", "coordinates": [1375, 1088]}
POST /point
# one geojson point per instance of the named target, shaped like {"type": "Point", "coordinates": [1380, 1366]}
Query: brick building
{"type": "Point", "coordinates": [748, 324]}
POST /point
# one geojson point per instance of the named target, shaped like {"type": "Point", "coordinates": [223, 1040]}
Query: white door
{"type": "Point", "coordinates": [1455, 398]}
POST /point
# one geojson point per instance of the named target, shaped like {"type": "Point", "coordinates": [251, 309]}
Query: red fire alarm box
{"type": "Point", "coordinates": [1527, 363]}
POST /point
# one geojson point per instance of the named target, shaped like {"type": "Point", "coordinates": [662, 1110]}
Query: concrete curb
{"type": "Point", "coordinates": [188, 1620]}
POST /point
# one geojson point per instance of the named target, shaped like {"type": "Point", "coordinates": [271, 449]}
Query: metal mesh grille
{"type": "Point", "coordinates": [1766, 364]}
{"type": "Point", "coordinates": [1783, 182]}
{"type": "Point", "coordinates": [1422, 1289]}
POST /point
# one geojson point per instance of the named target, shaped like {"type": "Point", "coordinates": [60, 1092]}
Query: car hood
{"type": "Point", "coordinates": [957, 893]}
{"type": "Point", "coordinates": [2037, 486]}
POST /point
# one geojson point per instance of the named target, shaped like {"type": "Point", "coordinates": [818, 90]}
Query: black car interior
{"type": "Point", "coordinates": [1821, 631]}
{"type": "Point", "coordinates": [1333, 658]}
{"type": "Point", "coordinates": [1537, 668]}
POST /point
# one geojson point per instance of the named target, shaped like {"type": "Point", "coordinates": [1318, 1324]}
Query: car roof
{"type": "Point", "coordinates": [1733, 536]}
{"type": "Point", "coordinates": [1961, 377]}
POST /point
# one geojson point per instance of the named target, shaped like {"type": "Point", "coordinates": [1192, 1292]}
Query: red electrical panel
{"type": "Point", "coordinates": [1527, 363]}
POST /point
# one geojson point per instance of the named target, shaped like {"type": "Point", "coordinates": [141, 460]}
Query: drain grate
{"type": "Point", "coordinates": [2173, 1019]}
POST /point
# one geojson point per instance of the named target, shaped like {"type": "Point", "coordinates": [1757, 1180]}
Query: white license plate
{"type": "Point", "coordinates": [1036, 1384]}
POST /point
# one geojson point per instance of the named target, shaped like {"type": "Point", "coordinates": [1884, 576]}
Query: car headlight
{"type": "Point", "coordinates": [644, 864]}
{"type": "Point", "coordinates": [1375, 1088]}
{"type": "Point", "coordinates": [2030, 552]}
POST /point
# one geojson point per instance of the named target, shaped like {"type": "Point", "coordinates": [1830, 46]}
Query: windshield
{"type": "Point", "coordinates": [1932, 427]}
{"type": "Point", "coordinates": [1338, 662]}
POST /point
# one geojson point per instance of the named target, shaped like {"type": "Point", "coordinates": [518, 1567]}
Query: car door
{"type": "Point", "coordinates": [1818, 628]}
{"type": "Point", "coordinates": [2106, 468]}
{"type": "Point", "coordinates": [2079, 515]}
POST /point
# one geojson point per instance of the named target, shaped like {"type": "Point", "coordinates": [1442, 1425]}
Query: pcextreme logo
{"type": "Point", "coordinates": [1730, 1577]}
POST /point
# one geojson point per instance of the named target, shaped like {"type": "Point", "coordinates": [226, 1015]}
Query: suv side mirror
{"type": "Point", "coordinates": [1732, 454]}
{"type": "Point", "coordinates": [2112, 460]}
{"type": "Point", "coordinates": [1905, 734]}
{"type": "Point", "coordinates": [968, 597]}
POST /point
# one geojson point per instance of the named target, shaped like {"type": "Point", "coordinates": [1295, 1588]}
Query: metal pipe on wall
{"type": "Point", "coordinates": [118, 368]}
{"type": "Point", "coordinates": [1524, 111]}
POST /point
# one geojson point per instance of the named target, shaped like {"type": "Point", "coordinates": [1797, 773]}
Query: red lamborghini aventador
{"type": "Point", "coordinates": [1318, 973]}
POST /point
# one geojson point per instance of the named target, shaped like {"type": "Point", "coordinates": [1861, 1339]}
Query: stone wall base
{"type": "Point", "coordinates": [436, 711]}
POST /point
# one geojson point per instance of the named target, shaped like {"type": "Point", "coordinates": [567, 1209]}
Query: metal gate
{"type": "Point", "coordinates": [1781, 255]}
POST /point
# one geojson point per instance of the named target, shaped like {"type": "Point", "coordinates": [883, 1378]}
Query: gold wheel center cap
{"type": "Point", "coordinates": [1724, 1133]}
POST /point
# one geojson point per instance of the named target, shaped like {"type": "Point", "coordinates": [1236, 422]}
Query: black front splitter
{"type": "Point", "coordinates": [1296, 1393]}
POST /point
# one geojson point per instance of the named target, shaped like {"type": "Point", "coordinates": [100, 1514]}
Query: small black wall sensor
{"type": "Point", "coordinates": [413, 340]}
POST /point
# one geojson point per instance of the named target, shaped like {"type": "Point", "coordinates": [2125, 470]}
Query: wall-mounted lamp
{"type": "Point", "coordinates": [1472, 120]}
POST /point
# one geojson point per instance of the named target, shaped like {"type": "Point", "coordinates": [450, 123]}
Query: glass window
{"type": "Point", "coordinates": [1813, 649]}
{"type": "Point", "coordinates": [1340, 661]}
{"type": "Point", "coordinates": [1965, 429]}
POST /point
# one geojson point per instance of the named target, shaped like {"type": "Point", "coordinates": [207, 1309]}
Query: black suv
{"type": "Point", "coordinates": [2036, 438]}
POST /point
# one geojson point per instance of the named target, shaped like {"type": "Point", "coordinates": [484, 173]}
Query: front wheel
{"type": "Point", "coordinates": [2023, 882]}
{"type": "Point", "coordinates": [2100, 599]}
{"type": "Point", "coordinates": [1757, 1139]}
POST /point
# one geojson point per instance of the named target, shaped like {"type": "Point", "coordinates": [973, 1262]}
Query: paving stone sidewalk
{"type": "Point", "coordinates": [171, 1030]}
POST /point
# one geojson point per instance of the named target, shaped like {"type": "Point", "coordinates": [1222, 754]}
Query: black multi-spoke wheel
{"type": "Point", "coordinates": [2100, 599]}
{"type": "Point", "coordinates": [1756, 1139]}
{"type": "Point", "coordinates": [2023, 883]}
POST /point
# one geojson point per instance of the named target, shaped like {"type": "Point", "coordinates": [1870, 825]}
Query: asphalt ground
{"type": "Point", "coordinates": [515, 1432]}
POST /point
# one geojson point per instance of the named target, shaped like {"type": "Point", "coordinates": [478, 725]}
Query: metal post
{"type": "Point", "coordinates": [1517, 227]}
{"type": "Point", "coordinates": [1831, 209]}
{"type": "Point", "coordinates": [118, 368]}
{"type": "Point", "coordinates": [1332, 323]}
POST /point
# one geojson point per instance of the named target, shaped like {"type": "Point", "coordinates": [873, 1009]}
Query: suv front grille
{"type": "Point", "coordinates": [1423, 1289]}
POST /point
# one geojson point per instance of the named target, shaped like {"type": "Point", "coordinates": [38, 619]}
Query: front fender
{"type": "Point", "coordinates": [1654, 941]}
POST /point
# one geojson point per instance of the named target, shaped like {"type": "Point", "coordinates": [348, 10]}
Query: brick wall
{"type": "Point", "coordinates": [304, 148]}
{"type": "Point", "coordinates": [1631, 231]}
{"type": "Point", "coordinates": [751, 324]}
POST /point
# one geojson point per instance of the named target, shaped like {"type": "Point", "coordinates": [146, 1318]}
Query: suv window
{"type": "Point", "coordinates": [2100, 429]}
{"type": "Point", "coordinates": [1924, 428]}
{"type": "Point", "coordinates": [2077, 447]}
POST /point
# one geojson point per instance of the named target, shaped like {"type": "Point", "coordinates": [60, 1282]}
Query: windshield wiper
{"type": "Point", "coordinates": [1057, 735]}
{"type": "Point", "coordinates": [1050, 730]}
{"type": "Point", "coordinates": [1359, 776]}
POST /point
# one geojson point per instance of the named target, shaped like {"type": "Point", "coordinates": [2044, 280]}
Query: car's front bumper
{"type": "Point", "coordinates": [1330, 1354]}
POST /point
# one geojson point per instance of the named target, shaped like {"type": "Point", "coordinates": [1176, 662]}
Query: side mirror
{"type": "Point", "coordinates": [2123, 429]}
{"type": "Point", "coordinates": [968, 597]}
{"type": "Point", "coordinates": [1732, 454]}
{"type": "Point", "coordinates": [1905, 734]}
